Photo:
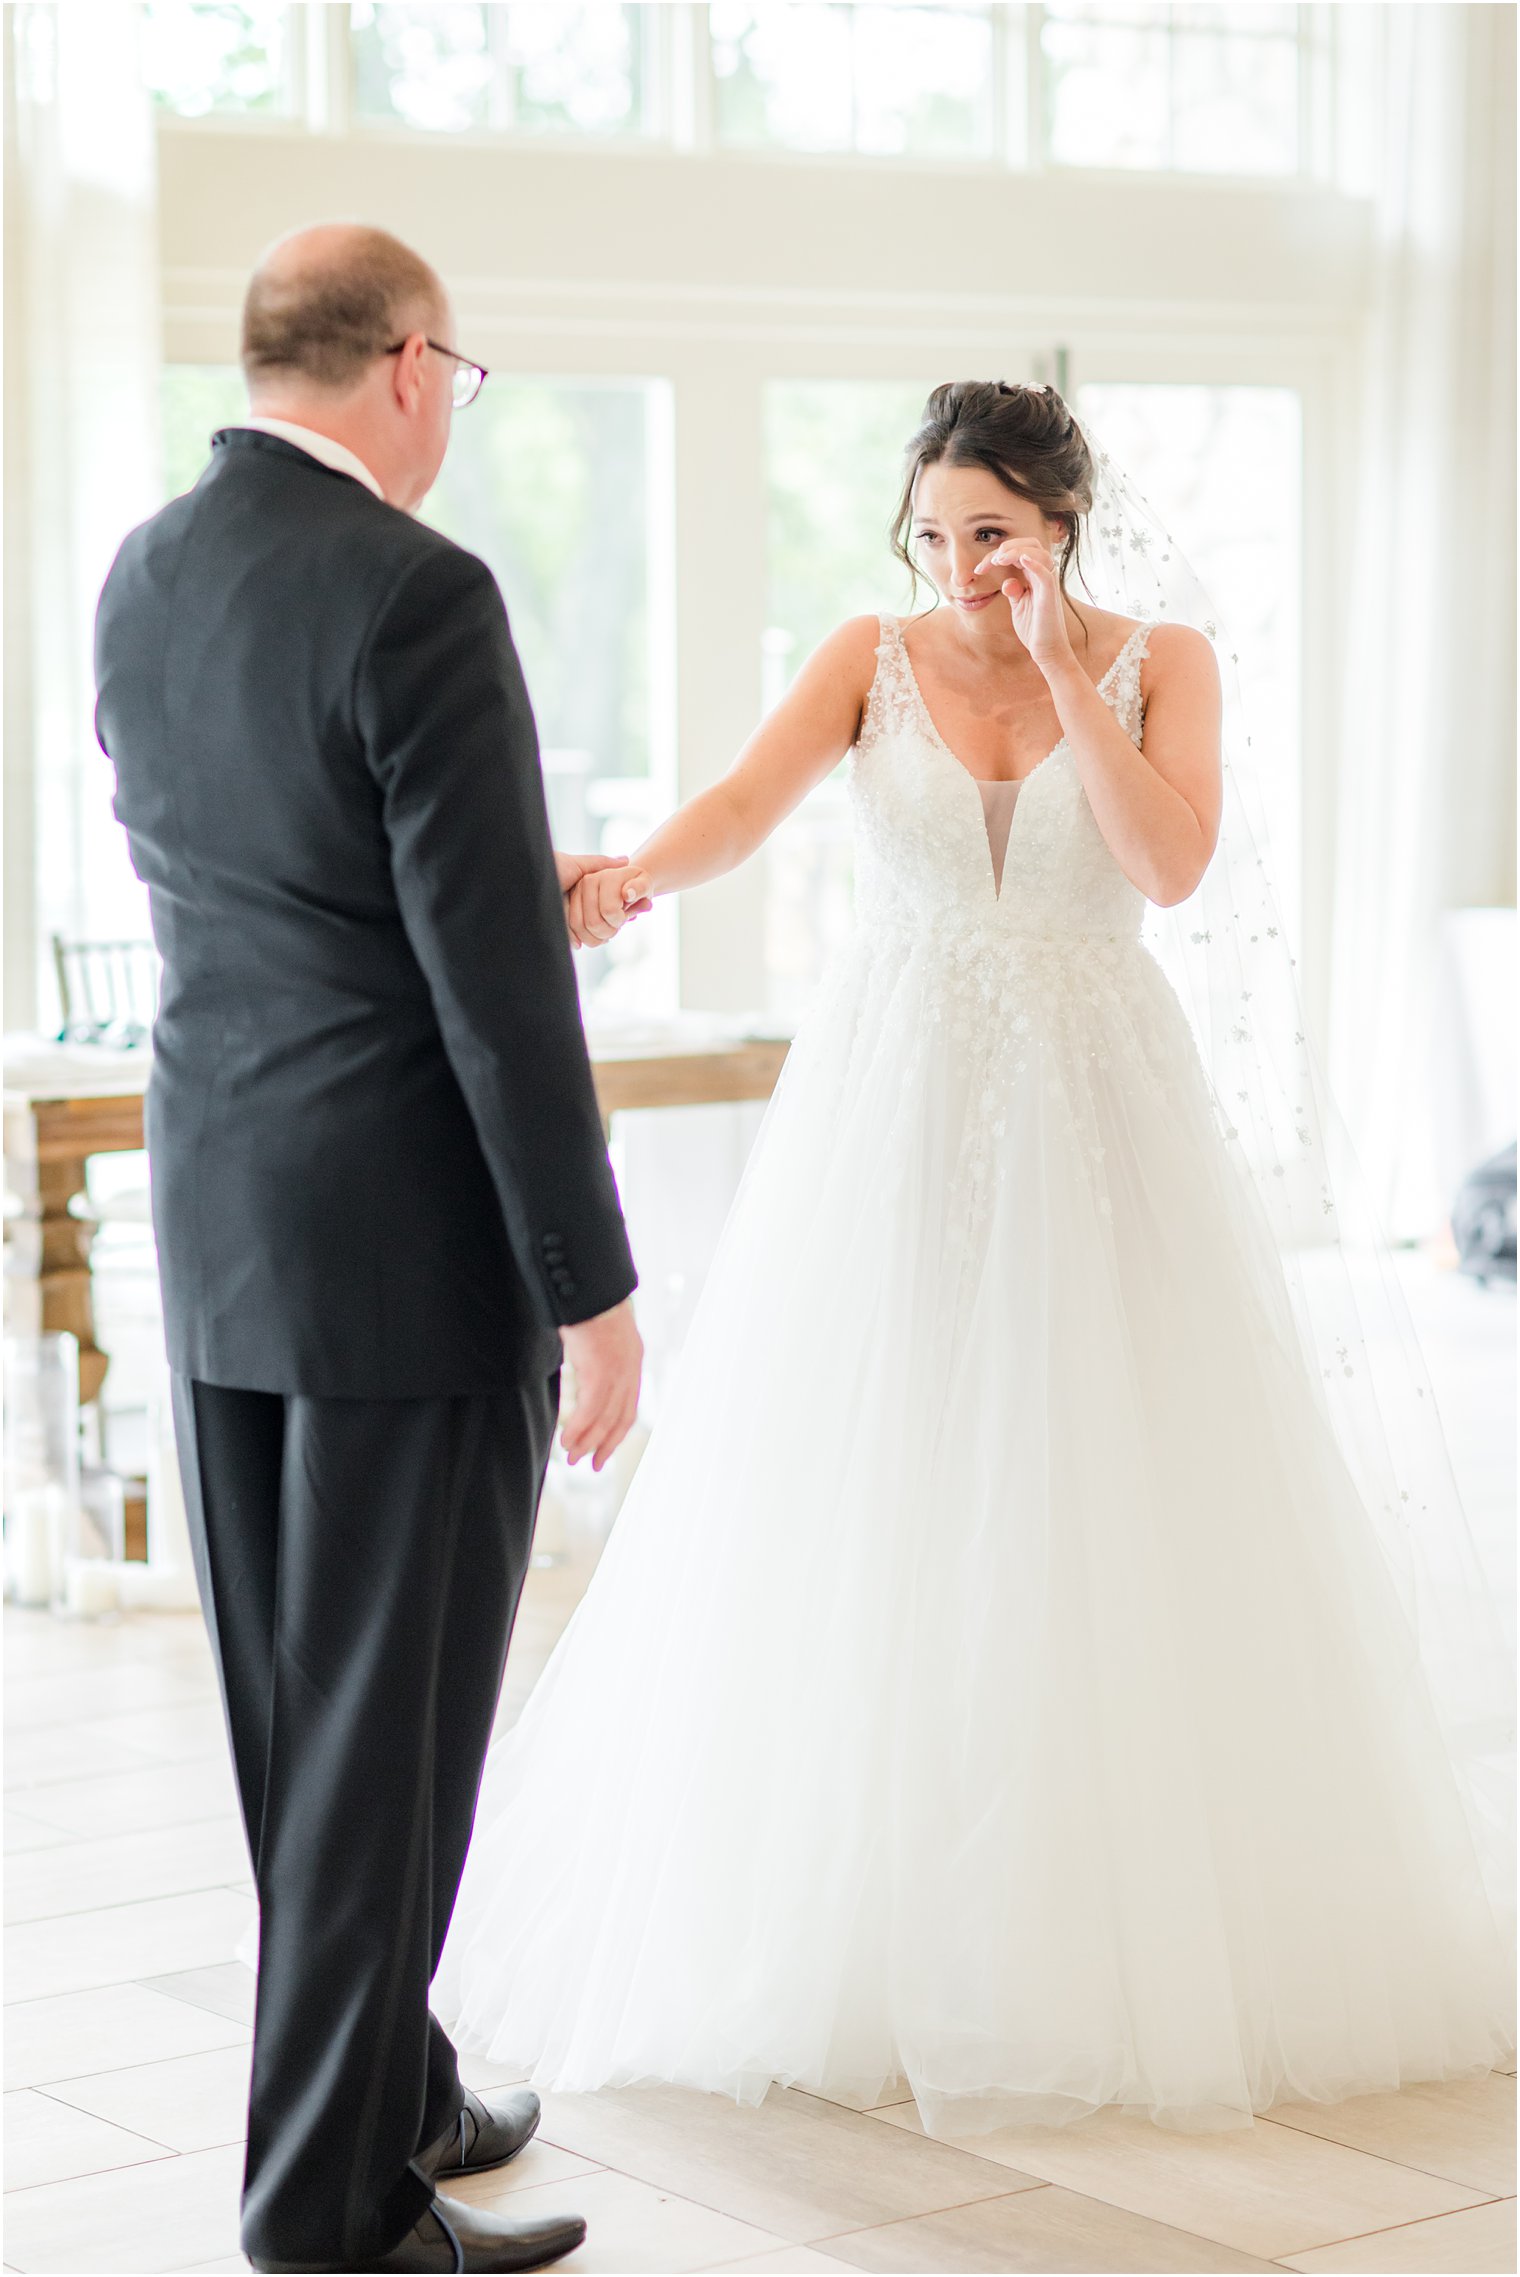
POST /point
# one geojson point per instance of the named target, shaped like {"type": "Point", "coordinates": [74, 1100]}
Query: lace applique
{"type": "Point", "coordinates": [1000, 977]}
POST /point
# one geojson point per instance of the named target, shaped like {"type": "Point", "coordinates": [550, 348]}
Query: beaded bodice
{"type": "Point", "coordinates": [923, 860]}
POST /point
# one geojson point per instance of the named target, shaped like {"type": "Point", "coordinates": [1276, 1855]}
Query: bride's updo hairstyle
{"type": "Point", "coordinates": [1025, 436]}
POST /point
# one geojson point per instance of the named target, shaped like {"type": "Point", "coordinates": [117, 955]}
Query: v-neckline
{"type": "Point", "coordinates": [928, 717]}
{"type": "Point", "coordinates": [938, 741]}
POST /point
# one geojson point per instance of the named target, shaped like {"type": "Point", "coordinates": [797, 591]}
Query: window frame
{"type": "Point", "coordinates": [681, 103]}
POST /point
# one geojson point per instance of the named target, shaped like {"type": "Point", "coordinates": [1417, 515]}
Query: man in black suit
{"type": "Point", "coordinates": [382, 1201]}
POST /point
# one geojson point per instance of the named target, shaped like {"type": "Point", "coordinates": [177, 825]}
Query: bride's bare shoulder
{"type": "Point", "coordinates": [843, 665]}
{"type": "Point", "coordinates": [1179, 652]}
{"type": "Point", "coordinates": [852, 648]}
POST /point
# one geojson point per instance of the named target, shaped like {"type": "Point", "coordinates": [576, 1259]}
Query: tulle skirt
{"type": "Point", "coordinates": [992, 1680]}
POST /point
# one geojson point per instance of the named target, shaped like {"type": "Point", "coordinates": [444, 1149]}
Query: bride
{"type": "Point", "coordinates": [997, 1678]}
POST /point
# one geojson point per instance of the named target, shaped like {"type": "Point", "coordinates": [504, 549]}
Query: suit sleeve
{"type": "Point", "coordinates": [449, 736]}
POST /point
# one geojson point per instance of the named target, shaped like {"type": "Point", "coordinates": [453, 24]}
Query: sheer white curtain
{"type": "Point", "coordinates": [1426, 802]}
{"type": "Point", "coordinates": [82, 447]}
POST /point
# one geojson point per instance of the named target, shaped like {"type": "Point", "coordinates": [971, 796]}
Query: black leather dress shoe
{"type": "Point", "coordinates": [451, 2237]}
{"type": "Point", "coordinates": [485, 2135]}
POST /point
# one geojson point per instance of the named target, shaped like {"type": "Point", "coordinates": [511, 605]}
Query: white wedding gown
{"type": "Point", "coordinates": [992, 1679]}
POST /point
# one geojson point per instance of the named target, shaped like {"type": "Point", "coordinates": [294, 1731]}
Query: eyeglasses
{"type": "Point", "coordinates": [469, 378]}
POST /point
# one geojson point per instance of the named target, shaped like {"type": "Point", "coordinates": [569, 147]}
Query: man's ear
{"type": "Point", "coordinates": [406, 381]}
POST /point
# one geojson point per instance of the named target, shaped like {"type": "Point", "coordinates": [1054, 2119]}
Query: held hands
{"type": "Point", "coordinates": [599, 901]}
{"type": "Point", "coordinates": [1034, 598]}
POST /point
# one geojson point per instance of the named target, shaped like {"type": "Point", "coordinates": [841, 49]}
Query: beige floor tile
{"type": "Point", "coordinates": [167, 1735]}
{"type": "Point", "coordinates": [169, 2215]}
{"type": "Point", "coordinates": [792, 2164]}
{"type": "Point", "coordinates": [122, 1868]}
{"type": "Point", "coordinates": [85, 1695]}
{"type": "Point", "coordinates": [23, 1834]}
{"type": "Point", "coordinates": [133, 1800]}
{"type": "Point", "coordinates": [226, 1989]}
{"type": "Point", "coordinates": [482, 2076]}
{"type": "Point", "coordinates": [786, 2261]}
{"type": "Point", "coordinates": [633, 2226]}
{"type": "Point", "coordinates": [37, 1644]}
{"type": "Point", "coordinates": [191, 2103]}
{"type": "Point", "coordinates": [64, 1751]}
{"type": "Point", "coordinates": [1462, 2129]}
{"type": "Point", "coordinates": [48, 2141]}
{"type": "Point", "coordinates": [900, 2092]}
{"type": "Point", "coordinates": [1048, 2230]}
{"type": "Point", "coordinates": [229, 2261]}
{"type": "Point", "coordinates": [81, 2033]}
{"type": "Point", "coordinates": [1266, 2189]}
{"type": "Point", "coordinates": [118, 1943]}
{"type": "Point", "coordinates": [535, 2164]}
{"type": "Point", "coordinates": [1469, 2244]}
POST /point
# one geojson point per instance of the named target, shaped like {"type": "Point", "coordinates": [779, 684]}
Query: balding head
{"type": "Point", "coordinates": [324, 302]}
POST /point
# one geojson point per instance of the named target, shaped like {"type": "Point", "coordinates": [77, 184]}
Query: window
{"type": "Point", "coordinates": [834, 452]}
{"type": "Point", "coordinates": [896, 80]}
{"type": "Point", "coordinates": [1221, 465]}
{"type": "Point", "coordinates": [196, 399]}
{"type": "Point", "coordinates": [579, 69]}
{"type": "Point", "coordinates": [1190, 88]}
{"type": "Point", "coordinates": [557, 484]}
{"type": "Point", "coordinates": [1239, 87]}
{"type": "Point", "coordinates": [218, 55]}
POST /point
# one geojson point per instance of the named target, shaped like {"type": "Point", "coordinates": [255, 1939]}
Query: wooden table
{"type": "Point", "coordinates": [64, 1103]}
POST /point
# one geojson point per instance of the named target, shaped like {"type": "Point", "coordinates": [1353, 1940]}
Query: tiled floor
{"type": "Point", "coordinates": [127, 2028]}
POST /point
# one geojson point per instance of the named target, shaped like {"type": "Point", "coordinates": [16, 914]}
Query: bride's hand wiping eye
{"type": "Point", "coordinates": [1034, 597]}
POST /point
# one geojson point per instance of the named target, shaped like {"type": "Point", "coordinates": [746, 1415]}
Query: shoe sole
{"type": "Point", "coordinates": [334, 2268]}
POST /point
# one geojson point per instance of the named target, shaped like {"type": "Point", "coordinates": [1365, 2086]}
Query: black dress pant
{"type": "Point", "coordinates": [360, 1564]}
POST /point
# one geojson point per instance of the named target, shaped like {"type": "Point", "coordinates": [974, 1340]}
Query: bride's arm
{"type": "Point", "coordinates": [807, 733]}
{"type": "Point", "coordinates": [1158, 809]}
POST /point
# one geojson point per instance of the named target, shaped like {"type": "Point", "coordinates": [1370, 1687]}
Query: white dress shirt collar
{"type": "Point", "coordinates": [317, 446]}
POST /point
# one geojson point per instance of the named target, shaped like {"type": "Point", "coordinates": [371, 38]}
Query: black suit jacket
{"type": "Point", "coordinates": [378, 1166]}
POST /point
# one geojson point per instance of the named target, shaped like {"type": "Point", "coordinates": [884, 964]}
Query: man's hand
{"type": "Point", "coordinates": [573, 867]}
{"type": "Point", "coordinates": [599, 906]}
{"type": "Point", "coordinates": [607, 1355]}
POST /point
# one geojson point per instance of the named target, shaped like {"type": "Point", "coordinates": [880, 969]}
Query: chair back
{"type": "Point", "coordinates": [108, 991]}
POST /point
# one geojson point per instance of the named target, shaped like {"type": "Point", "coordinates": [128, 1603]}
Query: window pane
{"type": "Point", "coordinates": [923, 81]}
{"type": "Point", "coordinates": [782, 73]}
{"type": "Point", "coordinates": [1137, 14]}
{"type": "Point", "coordinates": [1198, 88]}
{"type": "Point", "coordinates": [216, 55]}
{"type": "Point", "coordinates": [1221, 465]}
{"type": "Point", "coordinates": [1106, 99]}
{"type": "Point", "coordinates": [1235, 105]}
{"type": "Point", "coordinates": [548, 480]}
{"type": "Point", "coordinates": [833, 463]}
{"type": "Point", "coordinates": [426, 66]}
{"type": "Point", "coordinates": [829, 75]}
{"type": "Point", "coordinates": [1236, 16]}
{"type": "Point", "coordinates": [577, 68]}
{"type": "Point", "coordinates": [196, 399]}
